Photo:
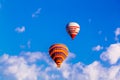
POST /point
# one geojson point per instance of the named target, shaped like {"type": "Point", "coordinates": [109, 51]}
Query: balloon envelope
{"type": "Point", "coordinates": [73, 29]}
{"type": "Point", "coordinates": [58, 53]}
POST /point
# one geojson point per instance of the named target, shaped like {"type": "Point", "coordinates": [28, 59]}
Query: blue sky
{"type": "Point", "coordinates": [29, 28]}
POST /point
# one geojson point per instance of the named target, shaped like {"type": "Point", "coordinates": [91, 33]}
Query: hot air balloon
{"type": "Point", "coordinates": [73, 29]}
{"type": "Point", "coordinates": [58, 52]}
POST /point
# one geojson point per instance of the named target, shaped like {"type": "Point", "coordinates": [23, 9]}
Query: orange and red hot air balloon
{"type": "Point", "coordinates": [73, 29]}
{"type": "Point", "coordinates": [58, 53]}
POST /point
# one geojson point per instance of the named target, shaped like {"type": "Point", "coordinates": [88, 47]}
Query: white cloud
{"type": "Point", "coordinates": [34, 56]}
{"type": "Point", "coordinates": [114, 72]}
{"type": "Point", "coordinates": [17, 68]}
{"type": "Point", "coordinates": [97, 48]}
{"type": "Point", "coordinates": [20, 29]}
{"type": "Point", "coordinates": [36, 13]}
{"type": "Point", "coordinates": [39, 66]}
{"type": "Point", "coordinates": [94, 71]}
{"type": "Point", "coordinates": [24, 67]}
{"type": "Point", "coordinates": [117, 33]}
{"type": "Point", "coordinates": [112, 54]}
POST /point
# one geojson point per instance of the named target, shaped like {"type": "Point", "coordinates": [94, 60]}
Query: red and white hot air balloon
{"type": "Point", "coordinates": [73, 29]}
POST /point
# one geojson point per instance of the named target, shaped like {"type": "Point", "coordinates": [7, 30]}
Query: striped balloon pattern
{"type": "Point", "coordinates": [58, 52]}
{"type": "Point", "coordinates": [73, 29]}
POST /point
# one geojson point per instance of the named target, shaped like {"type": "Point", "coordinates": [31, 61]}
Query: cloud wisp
{"type": "Point", "coordinates": [36, 13]}
{"type": "Point", "coordinates": [20, 29]}
{"type": "Point", "coordinates": [27, 45]}
{"type": "Point", "coordinates": [97, 48]}
{"type": "Point", "coordinates": [117, 33]}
